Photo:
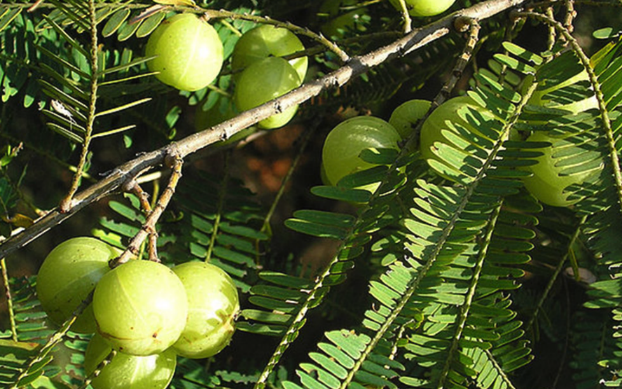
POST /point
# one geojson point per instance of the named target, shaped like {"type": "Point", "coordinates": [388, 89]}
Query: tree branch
{"type": "Point", "coordinates": [355, 67]}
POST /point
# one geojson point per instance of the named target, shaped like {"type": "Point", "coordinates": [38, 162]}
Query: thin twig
{"type": "Point", "coordinates": [143, 199]}
{"type": "Point", "coordinates": [222, 14]}
{"type": "Point", "coordinates": [405, 16]}
{"type": "Point", "coordinates": [9, 298]}
{"type": "Point", "coordinates": [148, 228]}
{"type": "Point", "coordinates": [222, 193]}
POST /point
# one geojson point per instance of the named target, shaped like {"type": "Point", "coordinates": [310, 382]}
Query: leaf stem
{"type": "Point", "coordinates": [214, 14]}
{"type": "Point", "coordinates": [66, 203]}
{"type": "Point", "coordinates": [222, 193]}
{"type": "Point", "coordinates": [9, 298]}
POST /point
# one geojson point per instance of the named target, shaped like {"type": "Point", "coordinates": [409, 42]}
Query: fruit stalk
{"type": "Point", "coordinates": [134, 187]}
{"type": "Point", "coordinates": [148, 227]}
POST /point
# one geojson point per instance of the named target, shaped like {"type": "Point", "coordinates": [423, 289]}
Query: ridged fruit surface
{"type": "Point", "coordinates": [140, 307]}
{"type": "Point", "coordinates": [68, 275]}
{"type": "Point", "coordinates": [188, 50]}
{"type": "Point", "coordinates": [212, 306]}
{"type": "Point", "coordinates": [128, 371]}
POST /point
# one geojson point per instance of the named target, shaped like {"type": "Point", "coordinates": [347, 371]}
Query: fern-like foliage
{"type": "Point", "coordinates": [446, 241]}
{"type": "Point", "coordinates": [38, 358]}
{"type": "Point", "coordinates": [442, 311]}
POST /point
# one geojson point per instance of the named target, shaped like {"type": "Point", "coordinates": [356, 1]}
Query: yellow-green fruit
{"type": "Point", "coordinates": [268, 41]}
{"type": "Point", "coordinates": [68, 275]}
{"type": "Point", "coordinates": [406, 115]}
{"type": "Point", "coordinates": [546, 184]}
{"type": "Point", "coordinates": [344, 144]}
{"type": "Point", "coordinates": [450, 112]}
{"type": "Point", "coordinates": [128, 371]}
{"type": "Point", "coordinates": [188, 50]}
{"type": "Point", "coordinates": [423, 8]}
{"type": "Point", "coordinates": [263, 81]}
{"type": "Point", "coordinates": [542, 97]}
{"type": "Point", "coordinates": [140, 307]}
{"type": "Point", "coordinates": [212, 306]}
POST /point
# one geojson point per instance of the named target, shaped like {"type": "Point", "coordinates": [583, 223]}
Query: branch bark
{"type": "Point", "coordinates": [356, 66]}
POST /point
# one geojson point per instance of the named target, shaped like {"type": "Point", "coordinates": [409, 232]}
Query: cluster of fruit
{"type": "Point", "coordinates": [144, 310]}
{"type": "Point", "coordinates": [188, 55]}
{"type": "Point", "coordinates": [345, 143]}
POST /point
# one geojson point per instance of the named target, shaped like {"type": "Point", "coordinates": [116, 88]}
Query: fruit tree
{"type": "Point", "coordinates": [310, 194]}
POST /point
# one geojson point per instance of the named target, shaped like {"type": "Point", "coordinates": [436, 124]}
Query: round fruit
{"type": "Point", "coordinates": [405, 116]}
{"type": "Point", "coordinates": [263, 81]}
{"type": "Point", "coordinates": [344, 144]}
{"type": "Point", "coordinates": [546, 184]}
{"type": "Point", "coordinates": [68, 275]}
{"type": "Point", "coordinates": [542, 97]}
{"type": "Point", "coordinates": [189, 53]}
{"type": "Point", "coordinates": [452, 111]}
{"type": "Point", "coordinates": [128, 371]}
{"type": "Point", "coordinates": [422, 8]}
{"type": "Point", "coordinates": [268, 41]}
{"type": "Point", "coordinates": [140, 307]}
{"type": "Point", "coordinates": [212, 307]}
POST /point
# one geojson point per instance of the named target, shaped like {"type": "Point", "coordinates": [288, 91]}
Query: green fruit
{"type": "Point", "coordinates": [128, 371]}
{"type": "Point", "coordinates": [189, 52]}
{"type": "Point", "coordinates": [344, 144]}
{"type": "Point", "coordinates": [268, 41]}
{"type": "Point", "coordinates": [140, 307]}
{"type": "Point", "coordinates": [542, 97]}
{"type": "Point", "coordinates": [212, 306]}
{"type": "Point", "coordinates": [263, 81]}
{"type": "Point", "coordinates": [451, 112]}
{"type": "Point", "coordinates": [546, 184]}
{"type": "Point", "coordinates": [423, 8]}
{"type": "Point", "coordinates": [405, 116]}
{"type": "Point", "coordinates": [68, 275]}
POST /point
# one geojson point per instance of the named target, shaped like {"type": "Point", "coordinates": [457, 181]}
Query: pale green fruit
{"type": "Point", "coordinates": [68, 275]}
{"type": "Point", "coordinates": [140, 307]}
{"type": "Point", "coordinates": [128, 371]}
{"type": "Point", "coordinates": [439, 120]}
{"type": "Point", "coordinates": [344, 144]}
{"type": "Point", "coordinates": [546, 184]}
{"type": "Point", "coordinates": [212, 306]}
{"type": "Point", "coordinates": [263, 81]}
{"type": "Point", "coordinates": [268, 41]}
{"type": "Point", "coordinates": [189, 52]}
{"type": "Point", "coordinates": [423, 8]}
{"type": "Point", "coordinates": [406, 115]}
